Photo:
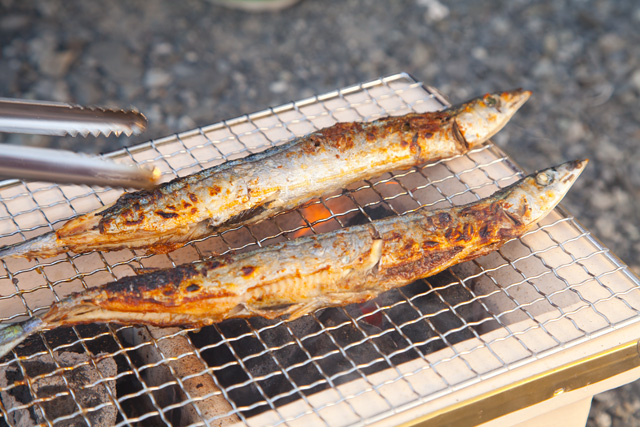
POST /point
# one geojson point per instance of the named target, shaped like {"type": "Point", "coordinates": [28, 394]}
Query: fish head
{"type": "Point", "coordinates": [475, 121]}
{"type": "Point", "coordinates": [535, 195]}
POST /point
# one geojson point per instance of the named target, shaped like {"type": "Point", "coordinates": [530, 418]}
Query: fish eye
{"type": "Point", "coordinates": [544, 178]}
{"type": "Point", "coordinates": [490, 101]}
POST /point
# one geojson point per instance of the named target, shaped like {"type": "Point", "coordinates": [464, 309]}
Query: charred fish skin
{"type": "Point", "coordinates": [248, 190]}
{"type": "Point", "coordinates": [338, 268]}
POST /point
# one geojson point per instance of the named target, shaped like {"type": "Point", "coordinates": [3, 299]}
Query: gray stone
{"type": "Point", "coordinates": [635, 79]}
{"type": "Point", "coordinates": [602, 419]}
{"type": "Point", "coordinates": [611, 43]}
{"type": "Point", "coordinates": [544, 68]}
{"type": "Point", "coordinates": [56, 64]}
{"type": "Point", "coordinates": [156, 78]}
{"type": "Point", "coordinates": [13, 22]}
{"type": "Point", "coordinates": [116, 60]}
{"type": "Point", "coordinates": [436, 11]}
{"type": "Point", "coordinates": [278, 86]}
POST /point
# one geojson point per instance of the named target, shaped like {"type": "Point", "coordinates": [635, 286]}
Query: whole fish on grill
{"type": "Point", "coordinates": [295, 277]}
{"type": "Point", "coordinates": [251, 189]}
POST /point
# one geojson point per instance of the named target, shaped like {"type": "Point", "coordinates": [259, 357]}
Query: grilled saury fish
{"type": "Point", "coordinates": [248, 190]}
{"type": "Point", "coordinates": [295, 277]}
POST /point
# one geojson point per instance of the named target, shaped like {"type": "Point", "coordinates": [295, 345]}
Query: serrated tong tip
{"type": "Point", "coordinates": [60, 119]}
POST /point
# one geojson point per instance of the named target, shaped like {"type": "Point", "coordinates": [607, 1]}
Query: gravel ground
{"type": "Point", "coordinates": [191, 63]}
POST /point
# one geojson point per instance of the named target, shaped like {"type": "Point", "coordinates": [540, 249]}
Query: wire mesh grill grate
{"type": "Point", "coordinates": [552, 289]}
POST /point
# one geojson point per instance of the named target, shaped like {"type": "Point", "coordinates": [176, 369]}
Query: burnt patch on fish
{"type": "Point", "coordinates": [429, 244]}
{"type": "Point", "coordinates": [192, 288]}
{"type": "Point", "coordinates": [485, 232]}
{"type": "Point", "coordinates": [444, 219]}
{"type": "Point", "coordinates": [135, 221]}
{"type": "Point", "coordinates": [247, 270]}
{"type": "Point", "coordinates": [341, 135]}
{"type": "Point", "coordinates": [167, 280]}
{"type": "Point", "coordinates": [166, 215]}
{"type": "Point", "coordinates": [212, 265]}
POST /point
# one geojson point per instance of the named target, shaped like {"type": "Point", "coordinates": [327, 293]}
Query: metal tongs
{"type": "Point", "coordinates": [60, 166]}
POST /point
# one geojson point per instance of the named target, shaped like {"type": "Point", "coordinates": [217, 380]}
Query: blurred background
{"type": "Point", "coordinates": [192, 63]}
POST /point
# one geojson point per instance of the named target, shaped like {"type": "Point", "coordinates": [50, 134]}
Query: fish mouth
{"type": "Point", "coordinates": [559, 178]}
{"type": "Point", "coordinates": [478, 120]}
{"type": "Point", "coordinates": [512, 100]}
{"type": "Point", "coordinates": [570, 171]}
{"type": "Point", "coordinates": [577, 165]}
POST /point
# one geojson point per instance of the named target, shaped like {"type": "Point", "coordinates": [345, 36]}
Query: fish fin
{"type": "Point", "coordinates": [246, 216]}
{"type": "Point", "coordinates": [240, 218]}
{"type": "Point", "coordinates": [293, 310]}
{"type": "Point", "coordinates": [45, 245]}
{"type": "Point", "coordinates": [14, 334]}
{"type": "Point", "coordinates": [145, 270]}
{"type": "Point", "coordinates": [247, 310]}
{"type": "Point", "coordinates": [298, 310]}
{"type": "Point", "coordinates": [163, 248]}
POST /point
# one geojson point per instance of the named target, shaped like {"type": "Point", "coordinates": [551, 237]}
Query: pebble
{"type": "Point", "coordinates": [156, 78]}
{"type": "Point", "coordinates": [115, 60]}
{"type": "Point", "coordinates": [550, 44]}
{"type": "Point", "coordinates": [544, 68]}
{"type": "Point", "coordinates": [480, 53]}
{"type": "Point", "coordinates": [14, 22]}
{"type": "Point", "coordinates": [603, 201]}
{"type": "Point", "coordinates": [603, 420]}
{"type": "Point", "coordinates": [278, 86]}
{"type": "Point", "coordinates": [635, 79]}
{"type": "Point", "coordinates": [605, 224]}
{"type": "Point", "coordinates": [436, 11]}
{"type": "Point", "coordinates": [56, 64]}
{"type": "Point", "coordinates": [611, 42]}
{"type": "Point", "coordinates": [609, 152]}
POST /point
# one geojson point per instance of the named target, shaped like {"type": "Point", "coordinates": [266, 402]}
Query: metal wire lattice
{"type": "Point", "coordinates": [551, 289]}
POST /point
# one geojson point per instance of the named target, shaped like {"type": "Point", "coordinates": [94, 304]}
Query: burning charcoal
{"type": "Point", "coordinates": [221, 350]}
{"type": "Point", "coordinates": [199, 385]}
{"type": "Point", "coordinates": [48, 395]}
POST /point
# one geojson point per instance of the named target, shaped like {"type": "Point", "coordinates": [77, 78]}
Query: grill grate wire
{"type": "Point", "coordinates": [550, 290]}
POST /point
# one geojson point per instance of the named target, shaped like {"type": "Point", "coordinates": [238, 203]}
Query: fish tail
{"type": "Point", "coordinates": [14, 334]}
{"type": "Point", "coordinates": [46, 245]}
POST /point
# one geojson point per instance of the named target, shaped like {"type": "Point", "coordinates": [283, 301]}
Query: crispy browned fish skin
{"type": "Point", "coordinates": [251, 189]}
{"type": "Point", "coordinates": [296, 277]}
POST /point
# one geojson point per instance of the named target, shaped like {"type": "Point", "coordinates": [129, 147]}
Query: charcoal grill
{"type": "Point", "coordinates": [545, 322]}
